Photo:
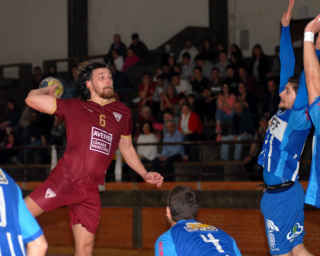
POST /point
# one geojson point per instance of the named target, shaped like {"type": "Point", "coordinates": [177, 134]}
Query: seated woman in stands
{"type": "Point", "coordinates": [191, 127]}
{"type": "Point", "coordinates": [169, 99]}
{"type": "Point", "coordinates": [117, 60]}
{"type": "Point", "coordinates": [226, 101]}
{"type": "Point", "coordinates": [130, 60]}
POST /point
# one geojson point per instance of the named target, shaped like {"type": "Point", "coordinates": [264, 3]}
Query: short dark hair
{"type": "Point", "coordinates": [197, 67]}
{"type": "Point", "coordinates": [37, 67]}
{"type": "Point", "coordinates": [135, 36]}
{"type": "Point", "coordinates": [183, 203]}
{"type": "Point", "coordinates": [294, 80]}
{"type": "Point", "coordinates": [199, 57]}
{"type": "Point", "coordinates": [84, 74]}
{"type": "Point", "coordinates": [186, 55]}
{"type": "Point", "coordinates": [150, 125]}
{"type": "Point", "coordinates": [215, 68]}
{"type": "Point", "coordinates": [230, 66]}
{"type": "Point", "coordinates": [175, 74]}
{"type": "Point", "coordinates": [223, 51]}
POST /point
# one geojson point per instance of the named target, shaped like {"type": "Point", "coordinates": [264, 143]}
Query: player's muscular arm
{"type": "Point", "coordinates": [42, 99]}
{"type": "Point", "coordinates": [37, 247]}
{"type": "Point", "coordinates": [133, 160]}
{"type": "Point", "coordinates": [311, 62]}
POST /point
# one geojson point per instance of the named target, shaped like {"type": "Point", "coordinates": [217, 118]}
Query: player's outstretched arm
{"type": "Point", "coordinates": [287, 58]}
{"type": "Point", "coordinates": [37, 247]}
{"type": "Point", "coordinates": [42, 99]}
{"type": "Point", "coordinates": [133, 160]}
{"type": "Point", "coordinates": [310, 60]}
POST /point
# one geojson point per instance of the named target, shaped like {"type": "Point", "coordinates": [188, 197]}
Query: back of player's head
{"type": "Point", "coordinates": [183, 203]}
{"type": "Point", "coordinates": [294, 81]}
{"type": "Point", "coordinates": [84, 74]}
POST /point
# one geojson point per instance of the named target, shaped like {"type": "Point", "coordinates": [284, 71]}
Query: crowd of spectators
{"type": "Point", "coordinates": [212, 87]}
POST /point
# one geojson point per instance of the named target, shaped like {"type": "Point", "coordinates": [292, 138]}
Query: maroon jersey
{"type": "Point", "coordinates": [93, 135]}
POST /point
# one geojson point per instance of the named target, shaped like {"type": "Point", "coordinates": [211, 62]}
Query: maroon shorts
{"type": "Point", "coordinates": [83, 201]}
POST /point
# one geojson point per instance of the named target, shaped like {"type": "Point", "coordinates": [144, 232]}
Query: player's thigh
{"type": "Point", "coordinates": [84, 240]}
{"type": "Point", "coordinates": [300, 250]}
{"type": "Point", "coordinates": [33, 207]}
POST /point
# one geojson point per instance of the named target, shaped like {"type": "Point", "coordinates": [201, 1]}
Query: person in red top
{"type": "Point", "coordinates": [95, 128]}
{"type": "Point", "coordinates": [169, 99]}
{"type": "Point", "coordinates": [146, 91]}
{"type": "Point", "coordinates": [191, 127]}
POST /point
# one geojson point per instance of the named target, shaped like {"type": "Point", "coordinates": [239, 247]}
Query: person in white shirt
{"type": "Point", "coordinates": [181, 85]}
{"type": "Point", "coordinates": [190, 49]}
{"type": "Point", "coordinates": [117, 60]}
{"type": "Point", "coordinates": [147, 153]}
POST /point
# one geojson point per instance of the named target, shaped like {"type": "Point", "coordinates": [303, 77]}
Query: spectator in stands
{"type": "Point", "coordinates": [182, 99]}
{"type": "Point", "coordinates": [169, 99]}
{"type": "Point", "coordinates": [199, 83]}
{"type": "Point", "coordinates": [209, 106]}
{"type": "Point", "coordinates": [166, 71]}
{"type": "Point", "coordinates": [138, 46]}
{"type": "Point", "coordinates": [6, 155]}
{"type": "Point", "coordinates": [275, 68]}
{"type": "Point", "coordinates": [251, 160]}
{"type": "Point", "coordinates": [58, 132]}
{"type": "Point", "coordinates": [12, 118]}
{"type": "Point", "coordinates": [223, 63]}
{"type": "Point", "coordinates": [259, 66]}
{"type": "Point", "coordinates": [271, 100]}
{"type": "Point", "coordinates": [187, 66]}
{"type": "Point", "coordinates": [206, 66]}
{"type": "Point", "coordinates": [117, 60]}
{"type": "Point", "coordinates": [181, 85]}
{"type": "Point", "coordinates": [216, 82]}
{"type": "Point", "coordinates": [193, 51]}
{"type": "Point", "coordinates": [37, 77]}
{"type": "Point", "coordinates": [191, 127]}
{"type": "Point", "coordinates": [145, 115]}
{"type": "Point", "coordinates": [226, 101]}
{"type": "Point", "coordinates": [37, 136]}
{"type": "Point", "coordinates": [157, 73]}
{"type": "Point", "coordinates": [121, 82]}
{"type": "Point", "coordinates": [130, 60]}
{"type": "Point", "coordinates": [170, 153]}
{"type": "Point", "coordinates": [232, 79]}
{"type": "Point", "coordinates": [168, 116]}
{"type": "Point", "coordinates": [162, 85]}
{"type": "Point", "coordinates": [221, 47]}
{"type": "Point", "coordinates": [171, 62]}
{"type": "Point", "coordinates": [248, 101]}
{"type": "Point", "coordinates": [250, 81]}
{"type": "Point", "coordinates": [235, 48]}
{"type": "Point", "coordinates": [116, 45]}
{"type": "Point", "coordinates": [207, 53]}
{"type": "Point", "coordinates": [73, 84]}
{"type": "Point", "coordinates": [52, 71]}
{"type": "Point", "coordinates": [146, 90]}
{"type": "Point", "coordinates": [242, 128]}
{"type": "Point", "coordinates": [237, 61]}
{"type": "Point", "coordinates": [22, 130]}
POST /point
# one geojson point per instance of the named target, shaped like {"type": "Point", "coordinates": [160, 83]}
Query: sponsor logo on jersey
{"type": "Point", "coordinates": [50, 193]}
{"type": "Point", "coordinates": [271, 239]}
{"type": "Point", "coordinates": [277, 127]}
{"type": "Point", "coordinates": [196, 226]}
{"type": "Point", "coordinates": [90, 110]}
{"type": "Point", "coordinates": [160, 249]}
{"type": "Point", "coordinates": [307, 114]}
{"type": "Point", "coordinates": [295, 232]}
{"type": "Point", "coordinates": [100, 141]}
{"type": "Point", "coordinates": [3, 178]}
{"type": "Point", "coordinates": [117, 116]}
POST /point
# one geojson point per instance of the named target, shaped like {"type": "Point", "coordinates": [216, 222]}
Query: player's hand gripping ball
{"type": "Point", "coordinates": [50, 81]}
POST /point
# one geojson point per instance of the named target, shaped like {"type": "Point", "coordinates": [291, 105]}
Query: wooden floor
{"type": "Point", "coordinates": [69, 251]}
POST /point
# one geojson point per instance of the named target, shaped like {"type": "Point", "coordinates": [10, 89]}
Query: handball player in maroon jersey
{"type": "Point", "coordinates": [95, 128]}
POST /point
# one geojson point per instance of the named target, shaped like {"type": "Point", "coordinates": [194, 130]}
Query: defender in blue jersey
{"type": "Point", "coordinates": [283, 200]}
{"type": "Point", "coordinates": [17, 226]}
{"type": "Point", "coordinates": [312, 69]}
{"type": "Point", "coordinates": [188, 237]}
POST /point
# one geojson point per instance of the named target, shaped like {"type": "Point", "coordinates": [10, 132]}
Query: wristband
{"type": "Point", "coordinates": [309, 36]}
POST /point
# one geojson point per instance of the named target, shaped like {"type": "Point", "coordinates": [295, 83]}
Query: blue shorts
{"type": "Point", "coordinates": [284, 218]}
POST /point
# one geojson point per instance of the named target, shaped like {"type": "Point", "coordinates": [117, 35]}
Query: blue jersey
{"type": "Point", "coordinates": [288, 130]}
{"type": "Point", "coordinates": [17, 226]}
{"type": "Point", "coordinates": [191, 238]}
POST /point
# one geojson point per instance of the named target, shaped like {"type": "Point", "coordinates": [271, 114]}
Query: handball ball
{"type": "Point", "coordinates": [50, 81]}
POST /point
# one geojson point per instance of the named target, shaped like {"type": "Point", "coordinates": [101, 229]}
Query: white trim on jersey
{"type": "Point", "coordinates": [10, 244]}
{"type": "Point", "coordinates": [270, 153]}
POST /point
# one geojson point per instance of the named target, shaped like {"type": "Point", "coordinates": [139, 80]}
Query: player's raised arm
{"type": "Point", "coordinates": [42, 99]}
{"type": "Point", "coordinates": [287, 58]}
{"type": "Point", "coordinates": [132, 159]}
{"type": "Point", "coordinates": [310, 60]}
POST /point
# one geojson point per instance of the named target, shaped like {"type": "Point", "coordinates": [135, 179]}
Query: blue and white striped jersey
{"type": "Point", "coordinates": [191, 238]}
{"type": "Point", "coordinates": [17, 226]}
{"type": "Point", "coordinates": [288, 130]}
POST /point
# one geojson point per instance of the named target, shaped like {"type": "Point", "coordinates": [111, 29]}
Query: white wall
{"type": "Point", "coordinates": [155, 21]}
{"type": "Point", "coordinates": [262, 19]}
{"type": "Point", "coordinates": [33, 30]}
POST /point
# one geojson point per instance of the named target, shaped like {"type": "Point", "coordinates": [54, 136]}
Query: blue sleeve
{"type": "Point", "coordinates": [235, 248]}
{"type": "Point", "coordinates": [287, 58]}
{"type": "Point", "coordinates": [30, 229]}
{"type": "Point", "coordinates": [165, 246]}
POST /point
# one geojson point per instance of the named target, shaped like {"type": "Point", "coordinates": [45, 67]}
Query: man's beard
{"type": "Point", "coordinates": [105, 94]}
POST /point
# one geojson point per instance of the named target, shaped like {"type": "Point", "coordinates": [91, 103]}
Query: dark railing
{"type": "Point", "coordinates": [25, 166]}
